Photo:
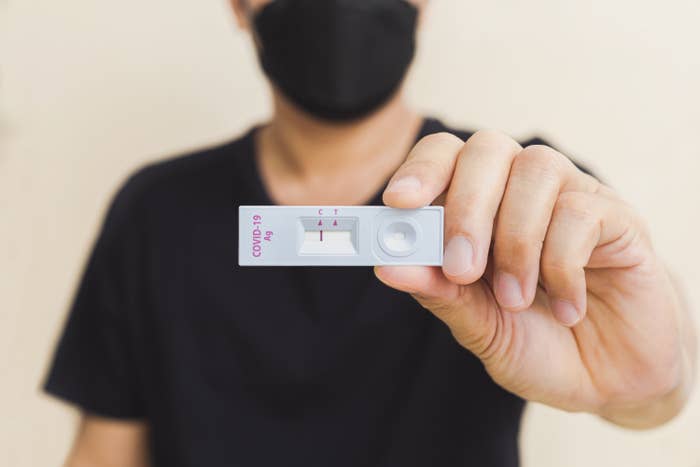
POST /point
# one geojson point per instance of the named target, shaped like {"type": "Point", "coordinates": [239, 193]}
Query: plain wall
{"type": "Point", "coordinates": [89, 90]}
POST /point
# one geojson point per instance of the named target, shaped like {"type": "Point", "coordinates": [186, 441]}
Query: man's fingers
{"type": "Point", "coordinates": [572, 236]}
{"type": "Point", "coordinates": [476, 190]}
{"type": "Point", "coordinates": [425, 174]}
{"type": "Point", "coordinates": [580, 223]}
{"type": "Point", "coordinates": [537, 176]}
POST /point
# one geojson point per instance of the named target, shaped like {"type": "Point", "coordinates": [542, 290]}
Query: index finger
{"type": "Point", "coordinates": [425, 174]}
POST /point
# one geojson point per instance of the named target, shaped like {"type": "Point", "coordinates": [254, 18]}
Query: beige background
{"type": "Point", "coordinates": [91, 89]}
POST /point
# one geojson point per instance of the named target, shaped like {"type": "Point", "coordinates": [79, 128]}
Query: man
{"type": "Point", "coordinates": [550, 289]}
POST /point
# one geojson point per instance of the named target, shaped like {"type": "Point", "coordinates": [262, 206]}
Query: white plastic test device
{"type": "Point", "coordinates": [339, 236]}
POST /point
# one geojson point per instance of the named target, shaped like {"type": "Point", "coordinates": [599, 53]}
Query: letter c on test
{"type": "Point", "coordinates": [320, 212]}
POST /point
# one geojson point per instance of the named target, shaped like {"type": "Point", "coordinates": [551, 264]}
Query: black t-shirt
{"type": "Point", "coordinates": [260, 366]}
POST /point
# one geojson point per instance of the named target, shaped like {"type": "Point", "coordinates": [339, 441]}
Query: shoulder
{"type": "Point", "coordinates": [198, 169]}
{"type": "Point", "coordinates": [190, 176]}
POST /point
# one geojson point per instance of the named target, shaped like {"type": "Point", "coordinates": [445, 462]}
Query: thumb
{"type": "Point", "coordinates": [470, 311]}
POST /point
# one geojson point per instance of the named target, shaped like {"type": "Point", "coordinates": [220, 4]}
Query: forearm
{"type": "Point", "coordinates": [102, 442]}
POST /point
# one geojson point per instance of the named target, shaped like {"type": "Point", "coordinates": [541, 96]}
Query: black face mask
{"type": "Point", "coordinates": [337, 59]}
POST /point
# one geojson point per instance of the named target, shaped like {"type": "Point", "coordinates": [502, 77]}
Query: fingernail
{"type": "Point", "coordinates": [565, 312]}
{"type": "Point", "coordinates": [405, 185]}
{"type": "Point", "coordinates": [508, 291]}
{"type": "Point", "coordinates": [459, 256]}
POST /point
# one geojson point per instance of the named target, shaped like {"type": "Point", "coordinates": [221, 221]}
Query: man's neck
{"type": "Point", "coordinates": [298, 153]}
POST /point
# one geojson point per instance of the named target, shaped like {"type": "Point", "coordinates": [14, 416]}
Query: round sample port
{"type": "Point", "coordinates": [399, 236]}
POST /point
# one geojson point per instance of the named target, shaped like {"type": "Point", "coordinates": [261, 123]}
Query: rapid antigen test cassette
{"type": "Point", "coordinates": [339, 236]}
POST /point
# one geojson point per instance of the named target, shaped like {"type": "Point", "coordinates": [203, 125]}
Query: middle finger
{"type": "Point", "coordinates": [537, 177]}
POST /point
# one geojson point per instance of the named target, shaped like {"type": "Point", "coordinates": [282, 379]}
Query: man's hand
{"type": "Point", "coordinates": [548, 277]}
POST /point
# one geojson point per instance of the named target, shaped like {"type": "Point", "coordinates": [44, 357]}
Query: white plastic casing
{"type": "Point", "coordinates": [339, 236]}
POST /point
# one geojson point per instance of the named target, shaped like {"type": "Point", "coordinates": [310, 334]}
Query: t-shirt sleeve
{"type": "Point", "coordinates": [95, 364]}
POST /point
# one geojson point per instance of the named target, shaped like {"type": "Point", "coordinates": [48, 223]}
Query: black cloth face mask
{"type": "Point", "coordinates": [336, 59]}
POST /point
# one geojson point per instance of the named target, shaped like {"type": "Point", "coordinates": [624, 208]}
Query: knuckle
{"type": "Point", "coordinates": [430, 167]}
{"type": "Point", "coordinates": [541, 161]}
{"type": "Point", "coordinates": [515, 252]}
{"type": "Point", "coordinates": [442, 138]}
{"type": "Point", "coordinates": [592, 184]}
{"type": "Point", "coordinates": [543, 152]}
{"type": "Point", "coordinates": [577, 205]}
{"type": "Point", "coordinates": [556, 264]}
{"type": "Point", "coordinates": [558, 270]}
{"type": "Point", "coordinates": [493, 139]}
{"type": "Point", "coordinates": [464, 211]}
